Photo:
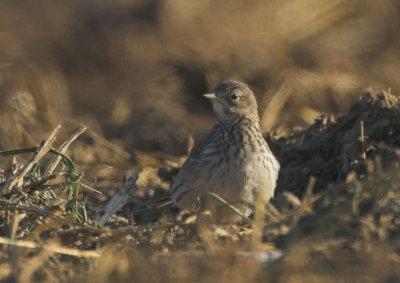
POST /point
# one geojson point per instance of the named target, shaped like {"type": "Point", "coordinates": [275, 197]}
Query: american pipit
{"type": "Point", "coordinates": [234, 161]}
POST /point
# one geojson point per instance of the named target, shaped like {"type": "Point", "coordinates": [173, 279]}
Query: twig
{"type": "Point", "coordinates": [220, 199]}
{"type": "Point", "coordinates": [309, 190]}
{"type": "Point", "coordinates": [362, 140]}
{"type": "Point", "coordinates": [63, 148]}
{"type": "Point", "coordinates": [388, 147]}
{"type": "Point", "coordinates": [35, 185]}
{"type": "Point", "coordinates": [119, 152]}
{"type": "Point", "coordinates": [30, 265]}
{"type": "Point", "coordinates": [119, 199]}
{"type": "Point", "coordinates": [190, 145]}
{"type": "Point", "coordinates": [155, 202]}
{"type": "Point", "coordinates": [14, 256]}
{"type": "Point", "coordinates": [52, 248]}
{"type": "Point", "coordinates": [259, 219]}
{"type": "Point", "coordinates": [275, 105]}
{"type": "Point", "coordinates": [29, 209]}
{"type": "Point", "coordinates": [150, 209]}
{"type": "Point", "coordinates": [206, 236]}
{"type": "Point", "coordinates": [308, 195]}
{"type": "Point", "coordinates": [272, 212]}
{"type": "Point", "coordinates": [41, 151]}
{"type": "Point", "coordinates": [90, 188]}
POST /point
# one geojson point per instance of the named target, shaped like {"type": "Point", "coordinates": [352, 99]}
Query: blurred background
{"type": "Point", "coordinates": [135, 70]}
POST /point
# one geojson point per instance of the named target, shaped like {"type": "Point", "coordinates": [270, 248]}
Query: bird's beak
{"type": "Point", "coordinates": [211, 96]}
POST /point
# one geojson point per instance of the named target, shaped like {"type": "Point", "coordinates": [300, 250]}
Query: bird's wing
{"type": "Point", "coordinates": [201, 149]}
{"type": "Point", "coordinates": [199, 158]}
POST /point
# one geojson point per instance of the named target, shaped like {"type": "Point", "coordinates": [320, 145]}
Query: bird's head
{"type": "Point", "coordinates": [232, 99]}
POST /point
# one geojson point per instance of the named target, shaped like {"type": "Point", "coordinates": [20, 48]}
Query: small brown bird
{"type": "Point", "coordinates": [234, 161]}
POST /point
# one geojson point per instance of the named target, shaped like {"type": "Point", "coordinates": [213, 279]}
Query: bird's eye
{"type": "Point", "coordinates": [234, 96]}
